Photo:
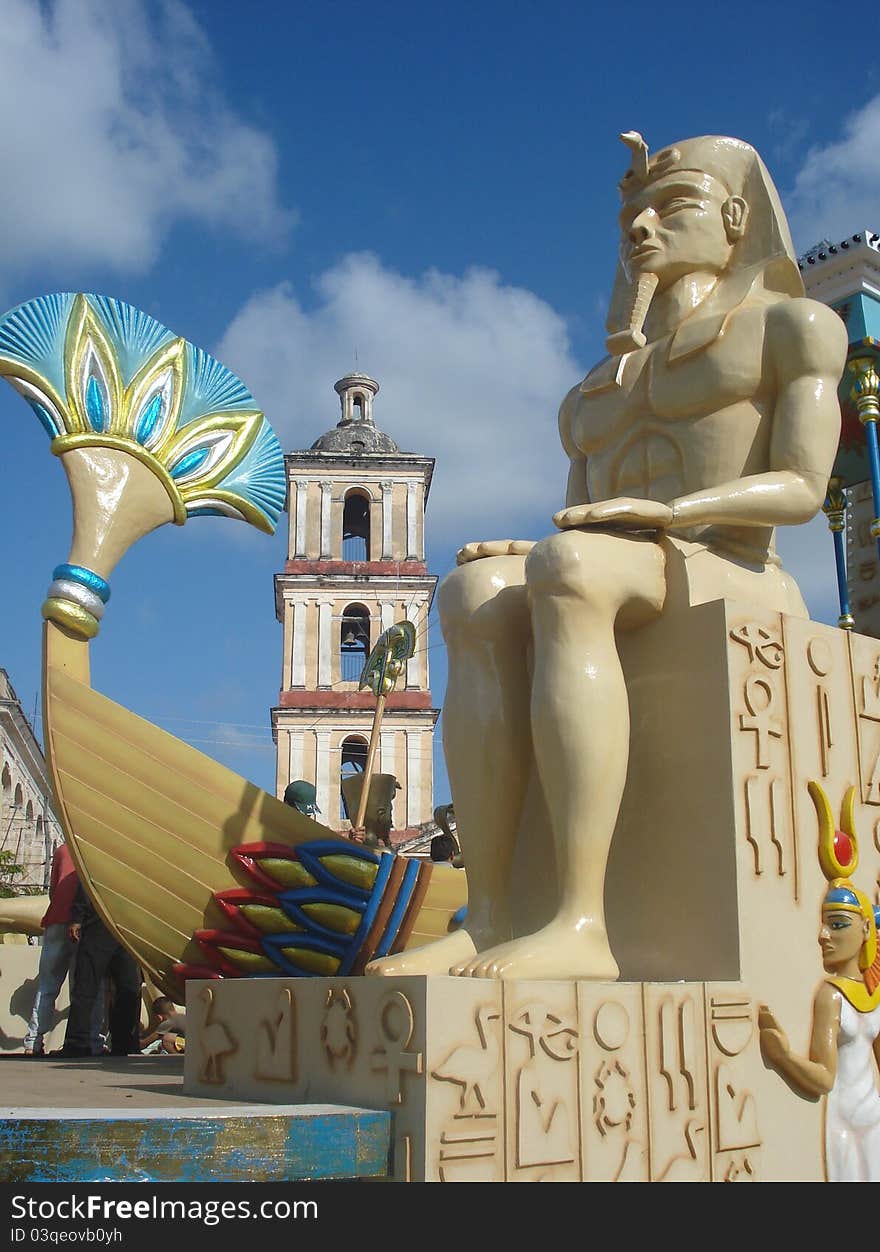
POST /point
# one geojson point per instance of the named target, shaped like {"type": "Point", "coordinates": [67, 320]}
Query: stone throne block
{"type": "Point", "coordinates": [712, 895]}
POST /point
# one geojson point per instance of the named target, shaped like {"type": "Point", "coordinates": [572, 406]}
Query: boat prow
{"type": "Point", "coordinates": [160, 833]}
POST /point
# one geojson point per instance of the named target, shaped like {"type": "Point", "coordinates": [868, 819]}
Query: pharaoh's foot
{"type": "Point", "coordinates": [559, 950]}
{"type": "Point", "coordinates": [433, 958]}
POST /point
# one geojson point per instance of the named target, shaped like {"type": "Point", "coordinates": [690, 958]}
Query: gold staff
{"type": "Point", "coordinates": [385, 664]}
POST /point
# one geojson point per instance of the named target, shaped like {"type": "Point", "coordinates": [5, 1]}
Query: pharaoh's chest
{"type": "Point", "coordinates": [651, 387]}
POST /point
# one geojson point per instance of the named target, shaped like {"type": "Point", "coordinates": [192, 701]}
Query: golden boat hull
{"type": "Point", "coordinates": [151, 823]}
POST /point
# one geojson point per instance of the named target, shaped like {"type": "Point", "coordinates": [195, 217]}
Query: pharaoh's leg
{"type": "Point", "coordinates": [583, 586]}
{"type": "Point", "coordinates": [487, 741]}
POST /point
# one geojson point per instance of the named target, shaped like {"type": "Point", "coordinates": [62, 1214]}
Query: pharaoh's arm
{"type": "Point", "coordinates": [813, 1075]}
{"type": "Point", "coordinates": [576, 492]}
{"type": "Point", "coordinates": [576, 487]}
{"type": "Point", "coordinates": [805, 351]}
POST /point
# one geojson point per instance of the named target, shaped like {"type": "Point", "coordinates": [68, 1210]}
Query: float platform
{"type": "Point", "coordinates": [126, 1119]}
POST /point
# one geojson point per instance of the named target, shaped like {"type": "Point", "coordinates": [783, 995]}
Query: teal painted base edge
{"type": "Point", "coordinates": [349, 1144]}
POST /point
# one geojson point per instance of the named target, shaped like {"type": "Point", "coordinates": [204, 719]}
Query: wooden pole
{"type": "Point", "coordinates": [371, 756]}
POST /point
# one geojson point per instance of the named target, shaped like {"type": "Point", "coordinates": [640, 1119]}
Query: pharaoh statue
{"type": "Point", "coordinates": [713, 419]}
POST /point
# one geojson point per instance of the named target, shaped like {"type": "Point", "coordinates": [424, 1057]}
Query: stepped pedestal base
{"type": "Point", "coordinates": [517, 1081]}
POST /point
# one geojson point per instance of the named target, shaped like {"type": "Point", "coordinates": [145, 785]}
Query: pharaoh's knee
{"type": "Point", "coordinates": [572, 563]}
{"type": "Point", "coordinates": [483, 599]}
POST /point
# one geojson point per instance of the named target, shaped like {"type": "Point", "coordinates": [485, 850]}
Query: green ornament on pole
{"type": "Point", "coordinates": [387, 661]}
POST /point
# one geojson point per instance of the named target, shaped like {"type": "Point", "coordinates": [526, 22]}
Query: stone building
{"type": "Point", "coordinates": [29, 828]}
{"type": "Point", "coordinates": [355, 565]}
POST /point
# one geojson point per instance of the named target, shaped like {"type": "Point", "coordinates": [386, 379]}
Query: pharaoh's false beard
{"type": "Point", "coordinates": [639, 295]}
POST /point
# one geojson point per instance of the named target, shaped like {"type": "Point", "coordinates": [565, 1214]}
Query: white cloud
{"type": "Point", "coordinates": [471, 372]}
{"type": "Point", "coordinates": [114, 128]}
{"type": "Point", "coordinates": [837, 190]}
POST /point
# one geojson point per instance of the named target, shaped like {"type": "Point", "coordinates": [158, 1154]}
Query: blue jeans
{"type": "Point", "coordinates": [57, 960]}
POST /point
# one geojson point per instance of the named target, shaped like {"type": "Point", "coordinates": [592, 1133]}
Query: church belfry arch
{"type": "Point", "coordinates": [356, 524]}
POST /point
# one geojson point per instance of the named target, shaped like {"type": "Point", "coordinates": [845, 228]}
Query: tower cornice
{"type": "Point", "coordinates": [355, 571]}
{"type": "Point", "coordinates": [314, 463]}
{"type": "Point", "coordinates": [394, 585]}
{"type": "Point", "coordinates": [355, 701]}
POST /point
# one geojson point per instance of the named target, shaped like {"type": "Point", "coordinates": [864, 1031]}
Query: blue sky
{"type": "Point", "coordinates": [427, 190]}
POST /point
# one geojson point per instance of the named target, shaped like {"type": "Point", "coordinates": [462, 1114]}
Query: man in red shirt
{"type": "Point", "coordinates": [58, 956]}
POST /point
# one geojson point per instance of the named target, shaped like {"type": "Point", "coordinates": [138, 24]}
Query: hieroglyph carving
{"type": "Point", "coordinates": [615, 1123]}
{"type": "Point", "coordinates": [546, 1118]}
{"type": "Point", "coordinates": [215, 1040]}
{"type": "Point", "coordinates": [276, 1042]}
{"type": "Point", "coordinates": [737, 1116]}
{"type": "Point", "coordinates": [732, 1035]}
{"type": "Point", "coordinates": [679, 1116]}
{"type": "Point", "coordinates": [469, 1139]}
{"type": "Point", "coordinates": [760, 645]}
{"type": "Point", "coordinates": [869, 739]}
{"type": "Point", "coordinates": [470, 1067]}
{"type": "Point", "coordinates": [762, 823]}
{"type": "Point", "coordinates": [758, 695]}
{"type": "Point", "coordinates": [732, 1023]}
{"type": "Point", "coordinates": [761, 720]}
{"type": "Point", "coordinates": [339, 1032]}
{"type": "Point", "coordinates": [821, 662]}
{"type": "Point", "coordinates": [396, 1029]}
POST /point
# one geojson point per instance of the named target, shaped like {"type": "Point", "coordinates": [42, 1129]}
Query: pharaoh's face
{"type": "Point", "coordinates": [681, 224]}
{"type": "Point", "coordinates": [841, 936]}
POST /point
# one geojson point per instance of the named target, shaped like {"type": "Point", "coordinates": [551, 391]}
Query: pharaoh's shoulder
{"type": "Point", "coordinates": [804, 336]}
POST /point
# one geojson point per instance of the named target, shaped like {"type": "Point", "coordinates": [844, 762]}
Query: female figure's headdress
{"type": "Point", "coordinates": [839, 858]}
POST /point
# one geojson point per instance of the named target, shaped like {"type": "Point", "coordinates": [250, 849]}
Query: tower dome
{"type": "Point", "coordinates": [356, 433]}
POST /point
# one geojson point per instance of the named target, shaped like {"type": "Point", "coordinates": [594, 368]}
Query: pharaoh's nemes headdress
{"type": "Point", "coordinates": [765, 251]}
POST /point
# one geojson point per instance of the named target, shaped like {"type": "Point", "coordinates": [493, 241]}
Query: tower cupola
{"type": "Point", "coordinates": [356, 393]}
{"type": "Point", "coordinates": [356, 433]}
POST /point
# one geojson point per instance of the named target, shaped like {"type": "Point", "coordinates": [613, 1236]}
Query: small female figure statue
{"type": "Point", "coordinates": [845, 1041]}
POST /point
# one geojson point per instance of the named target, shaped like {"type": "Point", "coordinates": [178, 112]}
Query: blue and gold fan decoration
{"type": "Point", "coordinates": [320, 908]}
{"type": "Point", "coordinates": [149, 429]}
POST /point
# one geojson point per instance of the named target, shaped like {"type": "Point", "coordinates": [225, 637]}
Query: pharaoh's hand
{"type": "Point", "coordinates": [624, 513]}
{"type": "Point", "coordinates": [774, 1044]}
{"type": "Point", "coordinates": [493, 547]}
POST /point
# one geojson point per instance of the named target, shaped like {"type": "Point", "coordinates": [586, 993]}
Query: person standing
{"type": "Point", "coordinates": [58, 958]}
{"type": "Point", "coordinates": [100, 955]}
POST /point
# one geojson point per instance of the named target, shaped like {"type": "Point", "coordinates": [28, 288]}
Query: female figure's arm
{"type": "Point", "coordinates": [813, 1075]}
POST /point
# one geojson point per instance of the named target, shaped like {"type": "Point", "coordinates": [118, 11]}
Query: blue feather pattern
{"type": "Point", "coordinates": [201, 426]}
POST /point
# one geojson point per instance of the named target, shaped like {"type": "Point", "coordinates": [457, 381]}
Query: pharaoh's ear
{"type": "Point", "coordinates": [735, 213]}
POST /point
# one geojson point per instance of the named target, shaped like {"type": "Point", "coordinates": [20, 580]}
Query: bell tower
{"type": "Point", "coordinates": [355, 565]}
